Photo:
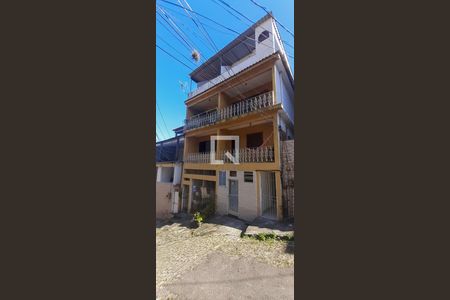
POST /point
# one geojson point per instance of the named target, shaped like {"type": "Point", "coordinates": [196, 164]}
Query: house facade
{"type": "Point", "coordinates": [169, 167]}
{"type": "Point", "coordinates": [244, 92]}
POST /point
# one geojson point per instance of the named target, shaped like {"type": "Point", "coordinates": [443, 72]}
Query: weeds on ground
{"type": "Point", "coordinates": [269, 237]}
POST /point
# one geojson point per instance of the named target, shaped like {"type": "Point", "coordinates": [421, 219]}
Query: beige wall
{"type": "Point", "coordinates": [247, 197]}
{"type": "Point", "coordinates": [162, 202]}
{"type": "Point", "coordinates": [191, 146]}
{"type": "Point", "coordinates": [266, 129]}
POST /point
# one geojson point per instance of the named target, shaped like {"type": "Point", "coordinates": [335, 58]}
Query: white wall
{"type": "Point", "coordinates": [287, 98]}
{"type": "Point", "coordinates": [158, 174]}
{"type": "Point", "coordinates": [266, 48]}
{"type": "Point", "coordinates": [177, 173]}
{"type": "Point", "coordinates": [284, 91]}
{"type": "Point", "coordinates": [247, 209]}
{"type": "Point", "coordinates": [166, 174]}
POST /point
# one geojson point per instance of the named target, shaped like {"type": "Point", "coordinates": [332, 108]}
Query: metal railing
{"type": "Point", "coordinates": [240, 108]}
{"type": "Point", "coordinates": [246, 155]}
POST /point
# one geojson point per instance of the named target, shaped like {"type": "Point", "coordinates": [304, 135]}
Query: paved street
{"type": "Point", "coordinates": [214, 262]}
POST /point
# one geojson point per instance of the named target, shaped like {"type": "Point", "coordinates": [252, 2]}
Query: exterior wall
{"type": "Point", "coordinates": [266, 47]}
{"type": "Point", "coordinates": [158, 174]}
{"type": "Point", "coordinates": [177, 173]}
{"type": "Point", "coordinates": [287, 99]}
{"type": "Point", "coordinates": [266, 129]}
{"type": "Point", "coordinates": [247, 197]}
{"type": "Point", "coordinates": [287, 177]}
{"type": "Point", "coordinates": [167, 174]}
{"type": "Point", "coordinates": [249, 192]}
{"type": "Point", "coordinates": [284, 93]}
{"type": "Point", "coordinates": [222, 197]}
{"type": "Point", "coordinates": [248, 208]}
{"type": "Point", "coordinates": [262, 50]}
{"type": "Point", "coordinates": [162, 201]}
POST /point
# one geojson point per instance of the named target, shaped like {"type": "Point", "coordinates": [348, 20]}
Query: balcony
{"type": "Point", "coordinates": [246, 155]}
{"type": "Point", "coordinates": [243, 107]}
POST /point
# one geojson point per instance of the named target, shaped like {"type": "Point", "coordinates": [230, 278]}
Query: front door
{"type": "Point", "coordinates": [233, 199]}
{"type": "Point", "coordinates": [268, 195]}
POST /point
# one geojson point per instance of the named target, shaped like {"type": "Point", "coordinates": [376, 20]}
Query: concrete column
{"type": "Point", "coordinates": [276, 140]}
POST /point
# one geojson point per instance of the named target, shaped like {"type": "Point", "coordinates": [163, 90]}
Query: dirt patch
{"type": "Point", "coordinates": [183, 253]}
{"type": "Point", "coordinates": [226, 277]}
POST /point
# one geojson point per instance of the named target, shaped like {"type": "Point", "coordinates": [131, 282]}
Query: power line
{"type": "Point", "coordinates": [227, 10]}
{"type": "Point", "coordinates": [236, 11]}
{"type": "Point", "coordinates": [170, 31]}
{"type": "Point", "coordinates": [176, 50]}
{"type": "Point", "coordinates": [175, 58]}
{"type": "Point", "coordinates": [201, 28]}
{"type": "Point", "coordinates": [171, 3]}
{"type": "Point", "coordinates": [265, 9]}
{"type": "Point", "coordinates": [284, 42]}
{"type": "Point", "coordinates": [220, 75]}
{"type": "Point", "coordinates": [181, 34]}
{"type": "Point", "coordinates": [207, 18]}
{"type": "Point", "coordinates": [160, 131]}
{"type": "Point", "coordinates": [174, 26]}
{"type": "Point", "coordinates": [164, 122]}
{"type": "Point", "coordinates": [242, 96]}
{"type": "Point", "coordinates": [217, 23]}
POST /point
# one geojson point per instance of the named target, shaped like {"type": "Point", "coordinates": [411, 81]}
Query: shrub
{"type": "Point", "coordinates": [198, 218]}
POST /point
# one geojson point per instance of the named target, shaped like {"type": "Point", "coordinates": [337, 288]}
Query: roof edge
{"type": "Point", "coordinates": [225, 48]}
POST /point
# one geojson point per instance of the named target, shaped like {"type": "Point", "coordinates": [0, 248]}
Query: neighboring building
{"type": "Point", "coordinates": [169, 167]}
{"type": "Point", "coordinates": [245, 90]}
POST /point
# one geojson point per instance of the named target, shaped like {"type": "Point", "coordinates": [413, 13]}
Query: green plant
{"type": "Point", "coordinates": [198, 218]}
{"type": "Point", "coordinates": [272, 236]}
{"type": "Point", "coordinates": [209, 210]}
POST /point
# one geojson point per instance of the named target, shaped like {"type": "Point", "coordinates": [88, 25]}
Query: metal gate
{"type": "Point", "coordinates": [268, 195]}
{"type": "Point", "coordinates": [233, 198]}
{"type": "Point", "coordinates": [203, 194]}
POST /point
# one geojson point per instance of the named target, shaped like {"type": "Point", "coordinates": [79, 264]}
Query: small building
{"type": "Point", "coordinates": [246, 90]}
{"type": "Point", "coordinates": [169, 167]}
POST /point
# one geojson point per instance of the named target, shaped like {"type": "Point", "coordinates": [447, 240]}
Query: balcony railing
{"type": "Point", "coordinates": [240, 108]}
{"type": "Point", "coordinates": [246, 155]}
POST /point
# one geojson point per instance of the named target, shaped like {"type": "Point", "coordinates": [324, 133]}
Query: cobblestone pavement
{"type": "Point", "coordinates": [181, 249]}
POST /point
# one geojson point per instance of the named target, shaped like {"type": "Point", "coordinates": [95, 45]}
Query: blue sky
{"type": "Point", "coordinates": [170, 97]}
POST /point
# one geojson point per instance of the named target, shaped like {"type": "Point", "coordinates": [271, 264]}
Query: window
{"type": "Point", "coordinates": [232, 173]}
{"type": "Point", "coordinates": [248, 176]}
{"type": "Point", "coordinates": [263, 36]}
{"type": "Point", "coordinates": [205, 146]}
{"type": "Point", "coordinates": [200, 172]}
{"type": "Point", "coordinates": [222, 178]}
{"type": "Point", "coordinates": [254, 140]}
